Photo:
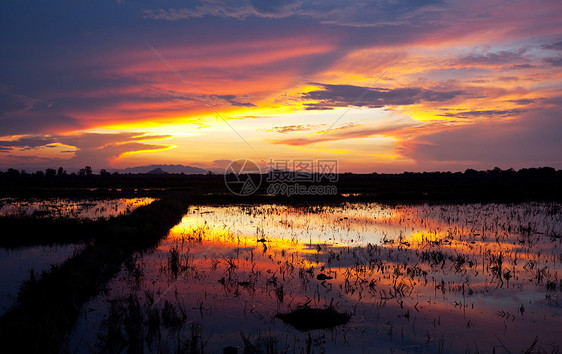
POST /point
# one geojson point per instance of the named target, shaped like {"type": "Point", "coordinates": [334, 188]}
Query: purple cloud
{"type": "Point", "coordinates": [332, 96]}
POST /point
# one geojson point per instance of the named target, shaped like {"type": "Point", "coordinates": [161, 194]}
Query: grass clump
{"type": "Point", "coordinates": [305, 318]}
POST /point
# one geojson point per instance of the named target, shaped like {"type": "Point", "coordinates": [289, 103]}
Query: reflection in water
{"type": "Point", "coordinates": [452, 278]}
{"type": "Point", "coordinates": [17, 265]}
{"type": "Point", "coordinates": [71, 208]}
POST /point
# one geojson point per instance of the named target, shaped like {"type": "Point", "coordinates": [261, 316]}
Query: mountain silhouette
{"type": "Point", "coordinates": [161, 169]}
{"type": "Point", "coordinates": [157, 171]}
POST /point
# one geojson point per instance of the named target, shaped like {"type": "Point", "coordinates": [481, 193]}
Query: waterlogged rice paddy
{"type": "Point", "coordinates": [71, 208]}
{"type": "Point", "coordinates": [18, 265]}
{"type": "Point", "coordinates": [414, 278]}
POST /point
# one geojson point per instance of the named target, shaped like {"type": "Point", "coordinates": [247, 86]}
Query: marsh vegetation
{"type": "Point", "coordinates": [411, 278]}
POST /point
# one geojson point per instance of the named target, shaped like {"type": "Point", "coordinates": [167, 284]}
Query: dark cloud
{"type": "Point", "coordinates": [556, 100]}
{"type": "Point", "coordinates": [333, 96]}
{"type": "Point", "coordinates": [205, 8]}
{"type": "Point", "coordinates": [13, 103]}
{"type": "Point", "coordinates": [523, 101]}
{"type": "Point", "coordinates": [26, 143]}
{"type": "Point", "coordinates": [554, 61]}
{"type": "Point", "coordinates": [532, 139]}
{"type": "Point", "coordinates": [233, 100]}
{"type": "Point", "coordinates": [487, 113]}
{"type": "Point", "coordinates": [521, 66]}
{"type": "Point", "coordinates": [95, 149]}
{"type": "Point", "coordinates": [351, 131]}
{"type": "Point", "coordinates": [10, 103]}
{"type": "Point", "coordinates": [176, 101]}
{"type": "Point", "coordinates": [23, 115]}
{"type": "Point", "coordinates": [98, 140]}
{"type": "Point", "coordinates": [295, 128]}
{"type": "Point", "coordinates": [495, 58]}
{"type": "Point", "coordinates": [553, 46]}
{"type": "Point", "coordinates": [353, 13]}
{"type": "Point", "coordinates": [278, 8]}
{"type": "Point", "coordinates": [32, 122]}
{"type": "Point", "coordinates": [291, 129]}
{"type": "Point", "coordinates": [349, 125]}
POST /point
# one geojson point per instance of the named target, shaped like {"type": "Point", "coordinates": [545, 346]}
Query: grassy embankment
{"type": "Point", "coordinates": [48, 307]}
{"type": "Point", "coordinates": [31, 231]}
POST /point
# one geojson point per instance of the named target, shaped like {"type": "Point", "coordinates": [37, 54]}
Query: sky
{"type": "Point", "coordinates": [378, 86]}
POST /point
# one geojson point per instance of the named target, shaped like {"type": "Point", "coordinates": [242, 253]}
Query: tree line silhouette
{"type": "Point", "coordinates": [87, 171]}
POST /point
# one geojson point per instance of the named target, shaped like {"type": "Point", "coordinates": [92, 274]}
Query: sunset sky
{"type": "Point", "coordinates": [386, 86]}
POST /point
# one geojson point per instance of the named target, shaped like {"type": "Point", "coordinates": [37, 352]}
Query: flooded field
{"type": "Point", "coordinates": [18, 265]}
{"type": "Point", "coordinates": [70, 208]}
{"type": "Point", "coordinates": [423, 278]}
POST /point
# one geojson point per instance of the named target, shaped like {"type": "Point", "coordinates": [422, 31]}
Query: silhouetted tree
{"type": "Point", "coordinates": [494, 172]}
{"type": "Point", "coordinates": [60, 171]}
{"type": "Point", "coordinates": [547, 171]}
{"type": "Point", "coordinates": [88, 170]}
{"type": "Point", "coordinates": [50, 172]}
{"type": "Point", "coordinates": [13, 172]}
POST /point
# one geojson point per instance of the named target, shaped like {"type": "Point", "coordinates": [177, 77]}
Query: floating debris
{"type": "Point", "coordinates": [305, 318]}
{"type": "Point", "coordinates": [323, 276]}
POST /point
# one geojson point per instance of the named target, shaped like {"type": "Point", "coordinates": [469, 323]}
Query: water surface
{"type": "Point", "coordinates": [17, 265]}
{"type": "Point", "coordinates": [70, 208]}
{"type": "Point", "coordinates": [451, 278]}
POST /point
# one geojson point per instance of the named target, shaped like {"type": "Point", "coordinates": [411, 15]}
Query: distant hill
{"type": "Point", "coordinates": [156, 171]}
{"type": "Point", "coordinates": [161, 169]}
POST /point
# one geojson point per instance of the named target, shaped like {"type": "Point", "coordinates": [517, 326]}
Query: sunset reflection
{"type": "Point", "coordinates": [475, 273]}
